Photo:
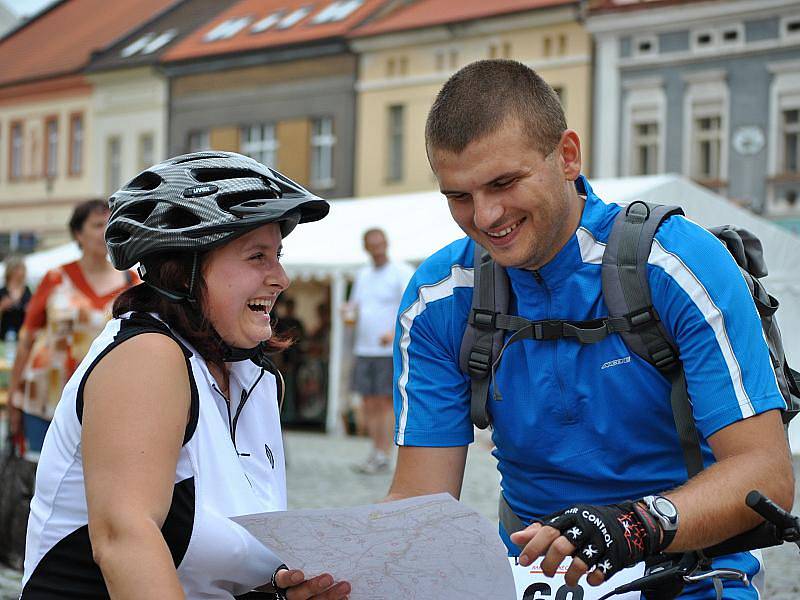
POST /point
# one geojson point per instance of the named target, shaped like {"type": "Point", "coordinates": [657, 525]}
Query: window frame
{"type": "Point", "coordinates": [76, 117]}
{"type": "Point", "coordinates": [323, 143]}
{"type": "Point", "coordinates": [16, 155]}
{"type": "Point", "coordinates": [395, 148]}
{"type": "Point", "coordinates": [50, 171]}
{"type": "Point", "coordinates": [261, 146]}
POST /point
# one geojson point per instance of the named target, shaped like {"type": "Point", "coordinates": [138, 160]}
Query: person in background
{"type": "Point", "coordinates": [69, 308]}
{"type": "Point", "coordinates": [14, 297]}
{"type": "Point", "coordinates": [372, 308]}
{"type": "Point", "coordinates": [288, 326]}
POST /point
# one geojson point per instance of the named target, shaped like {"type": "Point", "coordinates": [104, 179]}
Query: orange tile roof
{"type": "Point", "coordinates": [195, 45]}
{"type": "Point", "coordinates": [605, 6]}
{"type": "Point", "coordinates": [428, 13]}
{"type": "Point", "coordinates": [61, 40]}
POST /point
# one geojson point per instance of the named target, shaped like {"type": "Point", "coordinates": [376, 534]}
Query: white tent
{"type": "Point", "coordinates": [419, 224]}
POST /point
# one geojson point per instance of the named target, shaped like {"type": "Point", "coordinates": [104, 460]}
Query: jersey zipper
{"type": "Point", "coordinates": [565, 408]}
{"type": "Point", "coordinates": [233, 420]}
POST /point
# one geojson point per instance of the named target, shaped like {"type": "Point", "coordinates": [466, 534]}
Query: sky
{"type": "Point", "coordinates": [25, 8]}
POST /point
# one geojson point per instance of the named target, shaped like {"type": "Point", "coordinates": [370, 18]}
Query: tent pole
{"type": "Point", "coordinates": [333, 421]}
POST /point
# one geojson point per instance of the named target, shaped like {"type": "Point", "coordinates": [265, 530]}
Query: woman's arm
{"type": "Point", "coordinates": [24, 347]}
{"type": "Point", "coordinates": [136, 407]}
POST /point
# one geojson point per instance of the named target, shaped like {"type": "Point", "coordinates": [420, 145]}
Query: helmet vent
{"type": "Point", "coordinates": [178, 218]}
{"type": "Point", "coordinates": [145, 181]}
{"type": "Point", "coordinates": [117, 235]}
{"type": "Point", "coordinates": [251, 199]}
{"type": "Point", "coordinates": [197, 156]}
{"type": "Point", "coordinates": [139, 211]}
{"type": "Point", "coordinates": [214, 174]}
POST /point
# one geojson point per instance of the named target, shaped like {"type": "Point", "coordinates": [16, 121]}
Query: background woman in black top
{"type": "Point", "coordinates": [14, 297]}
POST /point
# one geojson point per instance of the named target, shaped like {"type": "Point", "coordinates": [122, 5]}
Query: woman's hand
{"type": "Point", "coordinates": [321, 587]}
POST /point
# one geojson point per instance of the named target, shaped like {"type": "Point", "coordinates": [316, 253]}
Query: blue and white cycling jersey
{"type": "Point", "coordinates": [586, 423]}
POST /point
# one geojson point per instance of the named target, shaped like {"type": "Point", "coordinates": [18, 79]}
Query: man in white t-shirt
{"type": "Point", "coordinates": [372, 309]}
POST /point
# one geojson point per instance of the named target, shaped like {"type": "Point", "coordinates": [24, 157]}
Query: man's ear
{"type": "Point", "coordinates": [569, 151]}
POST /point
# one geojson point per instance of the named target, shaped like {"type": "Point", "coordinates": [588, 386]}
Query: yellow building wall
{"type": "Point", "coordinates": [411, 73]}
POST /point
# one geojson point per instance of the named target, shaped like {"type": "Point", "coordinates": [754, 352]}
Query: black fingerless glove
{"type": "Point", "coordinates": [609, 538]}
{"type": "Point", "coordinates": [279, 591]}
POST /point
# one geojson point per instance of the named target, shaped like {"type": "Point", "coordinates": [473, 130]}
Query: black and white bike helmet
{"type": "Point", "coordinates": [195, 202]}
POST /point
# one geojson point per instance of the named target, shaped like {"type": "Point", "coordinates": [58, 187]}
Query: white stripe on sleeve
{"type": "Point", "coordinates": [459, 277]}
{"type": "Point", "coordinates": [688, 281]}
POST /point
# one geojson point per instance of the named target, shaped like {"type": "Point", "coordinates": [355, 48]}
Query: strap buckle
{"type": "Point", "coordinates": [642, 317]}
{"type": "Point", "coordinates": [483, 318]}
{"type": "Point", "coordinates": [548, 330]}
{"type": "Point", "coordinates": [479, 363]}
{"type": "Point", "coordinates": [664, 357]}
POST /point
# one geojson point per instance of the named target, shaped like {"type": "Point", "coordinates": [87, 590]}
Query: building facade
{"type": "Point", "coordinates": [710, 90]}
{"type": "Point", "coordinates": [130, 93]}
{"type": "Point", "coordinates": [405, 58]}
{"type": "Point", "coordinates": [274, 80]}
{"type": "Point", "coordinates": [47, 164]}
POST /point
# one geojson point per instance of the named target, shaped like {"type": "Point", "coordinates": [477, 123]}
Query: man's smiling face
{"type": "Point", "coordinates": [519, 205]}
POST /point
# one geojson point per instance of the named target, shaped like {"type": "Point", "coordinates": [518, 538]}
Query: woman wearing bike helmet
{"type": "Point", "coordinates": [170, 425]}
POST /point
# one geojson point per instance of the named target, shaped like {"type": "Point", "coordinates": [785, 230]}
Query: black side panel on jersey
{"type": "Point", "coordinates": [137, 324]}
{"type": "Point", "coordinates": [69, 571]}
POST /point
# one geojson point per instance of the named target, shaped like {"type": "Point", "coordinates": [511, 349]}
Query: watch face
{"type": "Point", "coordinates": [665, 507]}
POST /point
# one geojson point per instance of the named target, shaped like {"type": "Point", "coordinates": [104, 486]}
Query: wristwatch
{"type": "Point", "coordinates": [665, 512]}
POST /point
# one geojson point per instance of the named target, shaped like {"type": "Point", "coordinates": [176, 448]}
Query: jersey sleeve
{"type": "Point", "coordinates": [36, 311]}
{"type": "Point", "coordinates": [431, 394]}
{"type": "Point", "coordinates": [703, 300]}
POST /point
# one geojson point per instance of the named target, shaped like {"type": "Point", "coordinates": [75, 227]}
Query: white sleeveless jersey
{"type": "Point", "coordinates": [231, 463]}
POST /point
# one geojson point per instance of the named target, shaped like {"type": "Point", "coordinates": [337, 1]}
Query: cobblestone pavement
{"type": "Point", "coordinates": [320, 475]}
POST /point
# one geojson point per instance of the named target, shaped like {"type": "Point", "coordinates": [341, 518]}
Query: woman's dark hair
{"type": "Point", "coordinates": [172, 272]}
{"type": "Point", "coordinates": [82, 212]}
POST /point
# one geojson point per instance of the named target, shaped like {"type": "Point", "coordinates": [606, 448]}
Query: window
{"type": "Point", "coordinates": [114, 164]}
{"type": "Point", "coordinates": [394, 170]}
{"type": "Point", "coordinates": [51, 147]}
{"type": "Point", "coordinates": [645, 45]}
{"type": "Point", "coordinates": [506, 49]}
{"type": "Point", "coordinates": [337, 11]}
{"type": "Point", "coordinates": [227, 29]}
{"type": "Point", "coordinates": [547, 46]}
{"type": "Point", "coordinates": [705, 126]}
{"type": "Point", "coordinates": [322, 143]}
{"type": "Point", "coordinates": [493, 51]}
{"type": "Point", "coordinates": [146, 151]}
{"type": "Point", "coordinates": [403, 65]}
{"type": "Point", "coordinates": [76, 144]}
{"type": "Point", "coordinates": [197, 140]}
{"type": "Point", "coordinates": [17, 146]}
{"type": "Point", "coordinates": [644, 118]}
{"type": "Point", "coordinates": [790, 27]}
{"type": "Point", "coordinates": [453, 59]}
{"type": "Point", "coordinates": [645, 148]}
{"type": "Point", "coordinates": [17, 242]}
{"type": "Point", "coordinates": [704, 39]}
{"type": "Point", "coordinates": [562, 44]}
{"type": "Point", "coordinates": [259, 142]}
{"type": "Point", "coordinates": [391, 67]}
{"type": "Point", "coordinates": [440, 60]}
{"type": "Point", "coordinates": [707, 144]}
{"type": "Point", "coordinates": [791, 140]}
{"type": "Point", "coordinates": [732, 35]}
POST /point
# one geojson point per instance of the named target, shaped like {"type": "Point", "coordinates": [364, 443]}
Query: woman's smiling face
{"type": "Point", "coordinates": [243, 279]}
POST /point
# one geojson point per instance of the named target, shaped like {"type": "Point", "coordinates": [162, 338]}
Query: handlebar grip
{"type": "Point", "coordinates": [770, 511]}
{"type": "Point", "coordinates": [762, 536]}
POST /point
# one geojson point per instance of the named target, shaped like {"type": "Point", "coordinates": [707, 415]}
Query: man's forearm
{"type": "Point", "coordinates": [712, 507]}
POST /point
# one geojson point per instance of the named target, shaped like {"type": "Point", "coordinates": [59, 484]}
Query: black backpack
{"type": "Point", "coordinates": [626, 291]}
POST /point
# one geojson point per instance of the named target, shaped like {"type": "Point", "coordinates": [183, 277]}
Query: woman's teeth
{"type": "Point", "coordinates": [259, 305]}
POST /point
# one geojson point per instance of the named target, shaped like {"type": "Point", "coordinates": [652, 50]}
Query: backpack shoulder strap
{"type": "Point", "coordinates": [482, 339]}
{"type": "Point", "coordinates": [626, 290]}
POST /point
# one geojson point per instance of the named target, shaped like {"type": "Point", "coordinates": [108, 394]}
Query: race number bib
{"type": "Point", "coordinates": [532, 584]}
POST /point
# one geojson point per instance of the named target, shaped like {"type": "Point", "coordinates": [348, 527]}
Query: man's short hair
{"type": "Point", "coordinates": [372, 230]}
{"type": "Point", "coordinates": [478, 98]}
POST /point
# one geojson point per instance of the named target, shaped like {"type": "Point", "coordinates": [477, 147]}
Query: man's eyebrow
{"type": "Point", "coordinates": [501, 177]}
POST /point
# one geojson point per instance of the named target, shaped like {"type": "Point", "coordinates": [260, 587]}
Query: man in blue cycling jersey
{"type": "Point", "coordinates": [584, 434]}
